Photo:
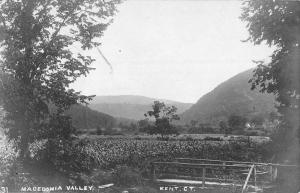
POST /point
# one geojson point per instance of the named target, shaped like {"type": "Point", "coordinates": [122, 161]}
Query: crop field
{"type": "Point", "coordinates": [125, 161]}
{"type": "Point", "coordinates": [184, 137]}
{"type": "Point", "coordinates": [128, 159]}
{"type": "Point", "coordinates": [109, 152]}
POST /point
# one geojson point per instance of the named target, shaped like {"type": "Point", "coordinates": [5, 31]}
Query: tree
{"type": "Point", "coordinates": [237, 123]}
{"type": "Point", "coordinates": [144, 125]}
{"type": "Point", "coordinates": [192, 127]}
{"type": "Point", "coordinates": [193, 123]}
{"type": "Point", "coordinates": [257, 120]}
{"type": "Point", "coordinates": [38, 64]}
{"type": "Point", "coordinates": [99, 130]}
{"type": "Point", "coordinates": [133, 127]}
{"type": "Point", "coordinates": [278, 24]}
{"type": "Point", "coordinates": [163, 115]}
{"type": "Point", "coordinates": [224, 128]}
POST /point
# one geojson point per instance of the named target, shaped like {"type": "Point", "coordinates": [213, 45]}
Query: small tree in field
{"type": "Point", "coordinates": [163, 116]}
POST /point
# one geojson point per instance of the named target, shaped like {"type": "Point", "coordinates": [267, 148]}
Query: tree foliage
{"type": "Point", "coordinates": [163, 115]}
{"type": "Point", "coordinates": [236, 122]}
{"type": "Point", "coordinates": [224, 128]}
{"type": "Point", "coordinates": [277, 23]}
{"type": "Point", "coordinates": [38, 64]}
{"type": "Point", "coordinates": [144, 125]}
{"type": "Point", "coordinates": [257, 120]}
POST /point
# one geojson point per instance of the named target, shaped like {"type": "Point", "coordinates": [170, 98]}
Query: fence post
{"type": "Point", "coordinates": [224, 165]}
{"type": "Point", "coordinates": [203, 176]}
{"type": "Point", "coordinates": [195, 172]}
{"type": "Point", "coordinates": [153, 172]}
{"type": "Point", "coordinates": [271, 173]}
{"type": "Point", "coordinates": [254, 175]}
{"type": "Point", "coordinates": [275, 173]}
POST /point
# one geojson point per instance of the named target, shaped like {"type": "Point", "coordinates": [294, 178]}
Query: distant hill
{"type": "Point", "coordinates": [233, 96]}
{"type": "Point", "coordinates": [86, 118]}
{"type": "Point", "coordinates": [130, 106]}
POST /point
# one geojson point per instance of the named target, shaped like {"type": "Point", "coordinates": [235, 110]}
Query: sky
{"type": "Point", "coordinates": [177, 50]}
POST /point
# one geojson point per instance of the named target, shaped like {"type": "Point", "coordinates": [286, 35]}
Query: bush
{"type": "Point", "coordinates": [213, 139]}
{"type": "Point", "coordinates": [8, 157]}
{"type": "Point", "coordinates": [189, 138]}
{"type": "Point", "coordinates": [126, 176]}
{"type": "Point", "coordinates": [165, 138]}
{"type": "Point", "coordinates": [71, 161]}
{"type": "Point", "coordinates": [97, 177]}
{"type": "Point", "coordinates": [138, 138]}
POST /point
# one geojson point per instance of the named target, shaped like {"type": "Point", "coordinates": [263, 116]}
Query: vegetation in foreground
{"type": "Point", "coordinates": [123, 161]}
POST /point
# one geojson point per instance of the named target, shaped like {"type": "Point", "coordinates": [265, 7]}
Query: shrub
{"type": "Point", "coordinates": [8, 157]}
{"type": "Point", "coordinates": [126, 176]}
{"type": "Point", "coordinates": [165, 138]}
{"type": "Point", "coordinates": [213, 139]}
{"type": "Point", "coordinates": [70, 161]}
{"type": "Point", "coordinates": [189, 138]}
{"type": "Point", "coordinates": [101, 177]}
{"type": "Point", "coordinates": [137, 138]}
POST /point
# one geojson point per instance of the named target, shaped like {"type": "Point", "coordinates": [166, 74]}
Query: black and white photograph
{"type": "Point", "coordinates": [149, 96]}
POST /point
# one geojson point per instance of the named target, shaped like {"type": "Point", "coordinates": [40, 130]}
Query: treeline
{"type": "Point", "coordinates": [237, 124]}
{"type": "Point", "coordinates": [87, 121]}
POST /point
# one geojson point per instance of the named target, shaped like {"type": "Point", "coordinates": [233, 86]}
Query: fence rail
{"type": "Point", "coordinates": [248, 173]}
{"type": "Point", "coordinates": [204, 169]}
{"type": "Point", "coordinates": [222, 161]}
{"type": "Point", "coordinates": [199, 165]}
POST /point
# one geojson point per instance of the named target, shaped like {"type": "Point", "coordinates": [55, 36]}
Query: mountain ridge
{"type": "Point", "coordinates": [131, 99]}
{"type": "Point", "coordinates": [130, 106]}
{"type": "Point", "coordinates": [233, 96]}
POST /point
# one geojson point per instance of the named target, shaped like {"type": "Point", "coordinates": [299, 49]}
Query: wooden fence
{"type": "Point", "coordinates": [243, 174]}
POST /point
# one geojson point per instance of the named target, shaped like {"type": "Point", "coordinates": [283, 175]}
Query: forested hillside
{"type": "Point", "coordinates": [86, 118]}
{"type": "Point", "coordinates": [233, 96]}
